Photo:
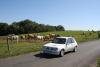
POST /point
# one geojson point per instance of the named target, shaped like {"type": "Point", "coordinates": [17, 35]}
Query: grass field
{"type": "Point", "coordinates": [20, 48]}
{"type": "Point", "coordinates": [33, 46]}
{"type": "Point", "coordinates": [80, 36]}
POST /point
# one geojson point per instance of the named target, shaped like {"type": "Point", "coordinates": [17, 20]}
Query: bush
{"type": "Point", "coordinates": [98, 34]}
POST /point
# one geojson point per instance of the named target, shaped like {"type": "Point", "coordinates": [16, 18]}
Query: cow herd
{"type": "Point", "coordinates": [32, 37]}
{"type": "Point", "coordinates": [38, 37]}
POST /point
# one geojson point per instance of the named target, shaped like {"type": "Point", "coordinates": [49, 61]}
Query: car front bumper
{"type": "Point", "coordinates": [51, 52]}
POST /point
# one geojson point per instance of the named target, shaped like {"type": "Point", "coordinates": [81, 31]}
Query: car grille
{"type": "Point", "coordinates": [49, 48]}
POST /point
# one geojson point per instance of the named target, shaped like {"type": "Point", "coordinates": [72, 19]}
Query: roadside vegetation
{"type": "Point", "coordinates": [98, 62]}
{"type": "Point", "coordinates": [28, 46]}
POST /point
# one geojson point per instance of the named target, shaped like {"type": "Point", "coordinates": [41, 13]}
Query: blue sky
{"type": "Point", "coordinates": [72, 14]}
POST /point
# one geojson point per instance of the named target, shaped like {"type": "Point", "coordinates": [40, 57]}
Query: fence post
{"type": "Point", "coordinates": [8, 47]}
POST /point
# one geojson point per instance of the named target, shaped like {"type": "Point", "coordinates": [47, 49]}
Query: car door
{"type": "Point", "coordinates": [68, 45]}
{"type": "Point", "coordinates": [72, 43]}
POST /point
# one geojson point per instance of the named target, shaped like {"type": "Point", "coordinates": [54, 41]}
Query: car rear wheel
{"type": "Point", "coordinates": [61, 53]}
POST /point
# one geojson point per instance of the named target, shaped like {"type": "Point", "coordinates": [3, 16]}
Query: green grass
{"type": "Point", "coordinates": [79, 36]}
{"type": "Point", "coordinates": [33, 46]}
{"type": "Point", "coordinates": [98, 62]}
{"type": "Point", "coordinates": [20, 48]}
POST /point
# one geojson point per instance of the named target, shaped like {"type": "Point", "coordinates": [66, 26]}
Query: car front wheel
{"type": "Point", "coordinates": [62, 53]}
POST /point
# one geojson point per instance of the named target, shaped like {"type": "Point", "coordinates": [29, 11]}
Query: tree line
{"type": "Point", "coordinates": [27, 26]}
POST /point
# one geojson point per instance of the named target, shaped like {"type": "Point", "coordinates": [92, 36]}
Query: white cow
{"type": "Point", "coordinates": [40, 37]}
{"type": "Point", "coordinates": [13, 37]}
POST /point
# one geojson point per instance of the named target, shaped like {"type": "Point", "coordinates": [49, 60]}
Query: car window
{"type": "Point", "coordinates": [70, 40]}
{"type": "Point", "coordinates": [59, 40]}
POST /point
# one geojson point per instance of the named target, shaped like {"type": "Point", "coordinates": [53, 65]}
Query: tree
{"type": "Point", "coordinates": [3, 28]}
{"type": "Point", "coordinates": [13, 29]}
{"type": "Point", "coordinates": [60, 28]}
{"type": "Point", "coordinates": [27, 26]}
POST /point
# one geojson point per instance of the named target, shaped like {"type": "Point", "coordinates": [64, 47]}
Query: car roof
{"type": "Point", "coordinates": [64, 37]}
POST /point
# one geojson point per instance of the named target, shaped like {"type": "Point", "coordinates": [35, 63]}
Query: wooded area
{"type": "Point", "coordinates": [27, 26]}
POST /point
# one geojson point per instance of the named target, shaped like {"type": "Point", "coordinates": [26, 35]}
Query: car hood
{"type": "Point", "coordinates": [54, 45]}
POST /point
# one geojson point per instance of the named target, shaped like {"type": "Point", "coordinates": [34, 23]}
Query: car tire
{"type": "Point", "coordinates": [62, 52]}
{"type": "Point", "coordinates": [75, 49]}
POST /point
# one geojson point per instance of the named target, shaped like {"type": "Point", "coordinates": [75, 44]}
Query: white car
{"type": "Point", "coordinates": [60, 45]}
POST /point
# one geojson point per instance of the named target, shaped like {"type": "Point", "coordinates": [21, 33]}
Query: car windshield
{"type": "Point", "coordinates": [59, 40]}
